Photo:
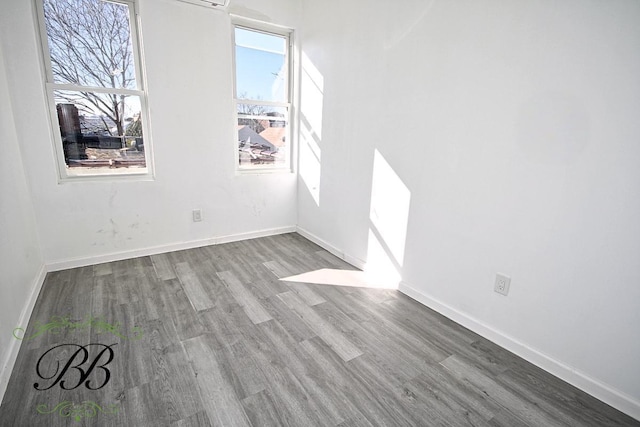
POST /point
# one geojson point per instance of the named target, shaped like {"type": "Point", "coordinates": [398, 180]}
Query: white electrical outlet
{"type": "Point", "coordinates": [197, 215]}
{"type": "Point", "coordinates": [502, 284]}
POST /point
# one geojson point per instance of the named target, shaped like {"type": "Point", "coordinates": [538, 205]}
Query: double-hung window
{"type": "Point", "coordinates": [94, 85]}
{"type": "Point", "coordinates": [262, 98]}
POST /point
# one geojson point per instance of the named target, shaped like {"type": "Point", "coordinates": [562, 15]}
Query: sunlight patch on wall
{"type": "Point", "coordinates": [310, 162]}
{"type": "Point", "coordinates": [389, 217]}
{"type": "Point", "coordinates": [380, 263]}
{"type": "Point", "coordinates": [311, 104]}
{"type": "Point", "coordinates": [312, 94]}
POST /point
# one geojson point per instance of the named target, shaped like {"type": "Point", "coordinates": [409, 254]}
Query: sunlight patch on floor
{"type": "Point", "coordinates": [351, 278]}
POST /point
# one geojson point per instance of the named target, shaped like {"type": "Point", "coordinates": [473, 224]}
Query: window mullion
{"type": "Point", "coordinates": [98, 89]}
{"type": "Point", "coordinates": [261, 102]}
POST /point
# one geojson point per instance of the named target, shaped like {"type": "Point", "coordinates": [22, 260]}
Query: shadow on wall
{"type": "Point", "coordinates": [311, 103]}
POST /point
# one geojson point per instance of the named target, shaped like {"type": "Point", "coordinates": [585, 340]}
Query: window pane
{"type": "Point", "coordinates": [261, 66]}
{"type": "Point", "coordinates": [262, 135]}
{"type": "Point", "coordinates": [90, 43]}
{"type": "Point", "coordinates": [100, 130]}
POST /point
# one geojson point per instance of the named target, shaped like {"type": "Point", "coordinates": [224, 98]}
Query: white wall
{"type": "Point", "coordinates": [187, 50]}
{"type": "Point", "coordinates": [21, 263]}
{"type": "Point", "coordinates": [514, 126]}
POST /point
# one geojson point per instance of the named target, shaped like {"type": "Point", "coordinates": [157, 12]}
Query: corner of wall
{"type": "Point", "coordinates": [11, 353]}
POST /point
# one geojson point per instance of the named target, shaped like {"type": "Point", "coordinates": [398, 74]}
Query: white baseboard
{"type": "Point", "coordinates": [318, 241]}
{"type": "Point", "coordinates": [581, 380]}
{"type": "Point", "coordinates": [584, 382]}
{"type": "Point", "coordinates": [356, 262]}
{"type": "Point", "coordinates": [154, 250]}
{"type": "Point", "coordinates": [592, 386]}
{"type": "Point", "coordinates": [12, 352]}
{"type": "Point", "coordinates": [255, 234]}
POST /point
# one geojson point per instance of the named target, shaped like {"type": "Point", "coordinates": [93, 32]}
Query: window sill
{"type": "Point", "coordinates": [111, 174]}
{"type": "Point", "coordinates": [264, 171]}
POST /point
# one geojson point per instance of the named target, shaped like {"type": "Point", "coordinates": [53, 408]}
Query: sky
{"type": "Point", "coordinates": [259, 58]}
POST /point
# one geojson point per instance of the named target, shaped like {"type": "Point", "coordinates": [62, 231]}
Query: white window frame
{"type": "Point", "coordinates": [288, 34]}
{"type": "Point", "coordinates": [66, 174]}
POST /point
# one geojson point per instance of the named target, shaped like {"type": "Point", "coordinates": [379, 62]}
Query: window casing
{"type": "Point", "coordinates": [262, 97]}
{"type": "Point", "coordinates": [94, 85]}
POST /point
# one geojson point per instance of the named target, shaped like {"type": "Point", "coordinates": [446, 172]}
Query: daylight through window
{"type": "Point", "coordinates": [262, 98]}
{"type": "Point", "coordinates": [94, 86]}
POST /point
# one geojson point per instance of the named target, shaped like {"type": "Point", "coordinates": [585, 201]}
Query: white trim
{"type": "Point", "coordinates": [256, 24]}
{"type": "Point", "coordinates": [255, 234]}
{"type": "Point", "coordinates": [64, 173]}
{"type": "Point", "coordinates": [14, 347]}
{"type": "Point", "coordinates": [250, 101]}
{"type": "Point", "coordinates": [318, 241]}
{"type": "Point", "coordinates": [97, 89]}
{"type": "Point", "coordinates": [356, 262]}
{"type": "Point", "coordinates": [273, 30]}
{"type": "Point", "coordinates": [581, 380]}
{"type": "Point", "coordinates": [64, 264]}
{"type": "Point", "coordinates": [208, 4]}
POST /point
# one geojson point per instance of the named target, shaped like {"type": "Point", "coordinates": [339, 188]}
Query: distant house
{"type": "Point", "coordinates": [254, 148]}
{"type": "Point", "coordinates": [275, 135]}
{"type": "Point", "coordinates": [98, 125]}
{"type": "Point", "coordinates": [246, 135]}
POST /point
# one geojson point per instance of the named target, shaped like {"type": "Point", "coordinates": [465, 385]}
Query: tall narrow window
{"type": "Point", "coordinates": [97, 102]}
{"type": "Point", "coordinates": [262, 98]}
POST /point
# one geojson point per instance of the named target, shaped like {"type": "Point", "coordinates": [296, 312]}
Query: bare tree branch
{"type": "Point", "coordinates": [90, 45]}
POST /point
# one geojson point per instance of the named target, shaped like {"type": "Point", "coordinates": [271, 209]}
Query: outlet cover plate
{"type": "Point", "coordinates": [502, 284]}
{"type": "Point", "coordinates": [197, 215]}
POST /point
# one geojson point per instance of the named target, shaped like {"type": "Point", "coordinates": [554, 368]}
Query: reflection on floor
{"type": "Point", "coordinates": [211, 336]}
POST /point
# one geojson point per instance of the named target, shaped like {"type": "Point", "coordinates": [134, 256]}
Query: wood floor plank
{"type": "Point", "coordinates": [221, 403]}
{"type": "Point", "coordinates": [249, 303]}
{"type": "Point", "coordinates": [172, 372]}
{"type": "Point", "coordinates": [304, 291]}
{"type": "Point", "coordinates": [233, 337]}
{"type": "Point", "coordinates": [192, 286]}
{"type": "Point", "coordinates": [201, 419]}
{"type": "Point", "coordinates": [401, 363]}
{"type": "Point", "coordinates": [508, 400]}
{"type": "Point", "coordinates": [174, 301]}
{"type": "Point", "coordinates": [354, 388]}
{"type": "Point", "coordinates": [163, 267]}
{"type": "Point", "coordinates": [102, 269]}
{"type": "Point", "coordinates": [322, 328]}
{"type": "Point", "coordinates": [441, 407]}
{"type": "Point", "coordinates": [437, 380]}
{"type": "Point", "coordinates": [133, 361]}
{"type": "Point", "coordinates": [144, 408]}
{"type": "Point", "coordinates": [577, 407]}
{"type": "Point", "coordinates": [323, 402]}
{"type": "Point", "coordinates": [215, 287]}
{"type": "Point", "coordinates": [262, 410]}
{"type": "Point", "coordinates": [278, 269]}
{"type": "Point", "coordinates": [254, 350]}
{"type": "Point", "coordinates": [306, 294]}
{"type": "Point", "coordinates": [288, 319]}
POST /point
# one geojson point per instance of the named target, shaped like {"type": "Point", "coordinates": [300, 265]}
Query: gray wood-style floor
{"type": "Point", "coordinates": [224, 342]}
